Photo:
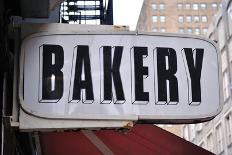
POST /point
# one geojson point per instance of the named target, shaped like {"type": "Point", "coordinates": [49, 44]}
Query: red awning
{"type": "Point", "coordinates": [142, 139]}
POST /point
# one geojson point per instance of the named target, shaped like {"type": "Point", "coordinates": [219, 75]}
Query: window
{"type": "Point", "coordinates": [224, 60]}
{"type": "Point", "coordinates": [210, 142]}
{"type": "Point", "coordinates": [162, 19]}
{"type": "Point", "coordinates": [180, 6]}
{"type": "Point", "coordinates": [163, 29]}
{"type": "Point", "coordinates": [204, 31]}
{"type": "Point", "coordinates": [220, 5]}
{"type": "Point", "coordinates": [221, 34]}
{"type": "Point", "coordinates": [189, 19]}
{"type": "Point", "coordinates": [229, 14]}
{"type": "Point", "coordinates": [186, 132]}
{"type": "Point", "coordinates": [161, 6]}
{"type": "Point", "coordinates": [230, 53]}
{"type": "Point", "coordinates": [197, 31]}
{"type": "Point", "coordinates": [187, 6]}
{"type": "Point", "coordinates": [189, 30]}
{"type": "Point", "coordinates": [203, 6]}
{"type": "Point", "coordinates": [228, 123]}
{"type": "Point", "coordinates": [204, 19]}
{"type": "Point", "coordinates": [192, 131]}
{"type": "Point", "coordinates": [195, 6]}
{"type": "Point", "coordinates": [214, 5]}
{"type": "Point", "coordinates": [181, 19]}
{"type": "Point", "coordinates": [219, 138]}
{"type": "Point", "coordinates": [181, 30]}
{"type": "Point", "coordinates": [155, 29]}
{"type": "Point", "coordinates": [196, 19]}
{"type": "Point", "coordinates": [199, 127]}
{"type": "Point", "coordinates": [225, 85]}
{"type": "Point", "coordinates": [154, 19]}
{"type": "Point", "coordinates": [202, 145]}
{"type": "Point", "coordinates": [154, 6]}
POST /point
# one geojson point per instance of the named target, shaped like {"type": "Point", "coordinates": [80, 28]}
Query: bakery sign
{"type": "Point", "coordinates": [117, 76]}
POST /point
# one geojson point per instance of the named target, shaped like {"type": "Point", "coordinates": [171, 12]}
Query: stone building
{"type": "Point", "coordinates": [216, 135]}
{"type": "Point", "coordinates": [178, 16]}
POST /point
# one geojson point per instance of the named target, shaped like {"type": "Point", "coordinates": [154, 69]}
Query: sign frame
{"type": "Point", "coordinates": [140, 118]}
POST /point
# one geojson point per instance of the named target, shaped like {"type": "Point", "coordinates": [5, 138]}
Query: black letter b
{"type": "Point", "coordinates": [51, 76]}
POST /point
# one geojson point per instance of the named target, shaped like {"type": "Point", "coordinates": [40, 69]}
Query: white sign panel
{"type": "Point", "coordinates": [120, 77]}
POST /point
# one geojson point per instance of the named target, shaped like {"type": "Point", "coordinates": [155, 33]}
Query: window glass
{"type": "Point", "coordinates": [204, 31]}
{"type": "Point", "coordinates": [204, 19]}
{"type": "Point", "coordinates": [221, 34]}
{"type": "Point", "coordinates": [155, 29]}
{"type": "Point", "coordinates": [181, 30]}
{"type": "Point", "coordinates": [220, 5]}
{"type": "Point", "coordinates": [228, 123]}
{"type": "Point", "coordinates": [163, 29]}
{"type": "Point", "coordinates": [224, 60]}
{"type": "Point", "coordinates": [230, 49]}
{"type": "Point", "coordinates": [192, 132]}
{"type": "Point", "coordinates": [186, 132]}
{"type": "Point", "coordinates": [187, 6]}
{"type": "Point", "coordinates": [162, 6]}
{"type": "Point", "coordinates": [181, 19]}
{"type": "Point", "coordinates": [203, 6]}
{"type": "Point", "coordinates": [229, 14]}
{"type": "Point", "coordinates": [210, 142]}
{"type": "Point", "coordinates": [154, 6]}
{"type": "Point", "coordinates": [225, 85]}
{"type": "Point", "coordinates": [162, 19]}
{"type": "Point", "coordinates": [189, 30]}
{"type": "Point", "coordinates": [195, 6]}
{"type": "Point", "coordinates": [202, 145]}
{"type": "Point", "coordinates": [196, 19]}
{"type": "Point", "coordinates": [189, 19]}
{"type": "Point", "coordinates": [180, 6]}
{"type": "Point", "coordinates": [154, 18]}
{"type": "Point", "coordinates": [219, 138]}
{"type": "Point", "coordinates": [214, 5]}
{"type": "Point", "coordinates": [197, 31]}
{"type": "Point", "coordinates": [230, 53]}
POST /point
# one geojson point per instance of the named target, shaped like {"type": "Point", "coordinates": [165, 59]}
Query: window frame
{"type": "Point", "coordinates": [195, 6]}
{"type": "Point", "coordinates": [154, 6]}
{"type": "Point", "coordinates": [204, 19]}
{"type": "Point", "coordinates": [154, 18]}
{"type": "Point", "coordinates": [163, 6]}
{"type": "Point", "coordinates": [180, 17]}
{"type": "Point", "coordinates": [188, 19]}
{"type": "Point", "coordinates": [162, 18]}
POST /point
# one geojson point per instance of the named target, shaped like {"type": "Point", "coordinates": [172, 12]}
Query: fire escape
{"type": "Point", "coordinates": [87, 12]}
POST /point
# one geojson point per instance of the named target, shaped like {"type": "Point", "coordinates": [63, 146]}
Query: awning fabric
{"type": "Point", "coordinates": [141, 140]}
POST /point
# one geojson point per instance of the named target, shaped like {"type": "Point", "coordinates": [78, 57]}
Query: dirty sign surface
{"type": "Point", "coordinates": [120, 77]}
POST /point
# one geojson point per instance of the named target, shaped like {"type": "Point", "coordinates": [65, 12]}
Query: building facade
{"type": "Point", "coordinates": [216, 135]}
{"type": "Point", "coordinates": [178, 16]}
